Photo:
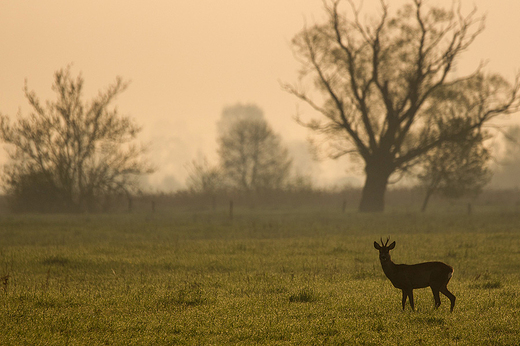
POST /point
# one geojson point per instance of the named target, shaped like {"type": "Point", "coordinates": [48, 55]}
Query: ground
{"type": "Point", "coordinates": [266, 277]}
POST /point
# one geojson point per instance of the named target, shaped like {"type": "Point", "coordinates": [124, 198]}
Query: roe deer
{"type": "Point", "coordinates": [407, 277]}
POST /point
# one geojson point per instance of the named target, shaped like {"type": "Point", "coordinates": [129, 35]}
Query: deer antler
{"type": "Point", "coordinates": [387, 240]}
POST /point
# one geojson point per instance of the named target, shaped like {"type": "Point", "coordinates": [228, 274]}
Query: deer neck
{"type": "Point", "coordinates": [389, 268]}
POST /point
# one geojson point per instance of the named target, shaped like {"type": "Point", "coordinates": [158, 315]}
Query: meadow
{"type": "Point", "coordinates": [265, 277]}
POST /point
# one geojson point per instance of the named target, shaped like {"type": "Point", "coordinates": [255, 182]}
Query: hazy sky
{"type": "Point", "coordinates": [188, 59]}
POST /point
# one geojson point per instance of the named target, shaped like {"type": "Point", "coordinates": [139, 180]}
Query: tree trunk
{"type": "Point", "coordinates": [429, 192]}
{"type": "Point", "coordinates": [373, 194]}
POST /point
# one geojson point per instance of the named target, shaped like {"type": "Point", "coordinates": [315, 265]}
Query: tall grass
{"type": "Point", "coordinates": [278, 277]}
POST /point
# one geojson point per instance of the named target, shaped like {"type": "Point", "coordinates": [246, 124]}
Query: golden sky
{"type": "Point", "coordinates": [188, 59]}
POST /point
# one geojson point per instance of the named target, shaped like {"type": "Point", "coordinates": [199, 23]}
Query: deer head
{"type": "Point", "coordinates": [384, 249]}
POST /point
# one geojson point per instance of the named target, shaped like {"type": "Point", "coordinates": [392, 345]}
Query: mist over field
{"type": "Point", "coordinates": [187, 61]}
{"type": "Point", "coordinates": [216, 173]}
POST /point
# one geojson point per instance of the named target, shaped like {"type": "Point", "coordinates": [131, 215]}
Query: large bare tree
{"type": "Point", "coordinates": [376, 83]}
{"type": "Point", "coordinates": [76, 152]}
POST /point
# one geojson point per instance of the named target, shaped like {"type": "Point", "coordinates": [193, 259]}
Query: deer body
{"type": "Point", "coordinates": [435, 275]}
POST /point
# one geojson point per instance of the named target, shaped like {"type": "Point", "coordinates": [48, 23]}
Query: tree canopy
{"type": "Point", "coordinates": [456, 168]}
{"type": "Point", "coordinates": [252, 157]}
{"type": "Point", "coordinates": [77, 151]}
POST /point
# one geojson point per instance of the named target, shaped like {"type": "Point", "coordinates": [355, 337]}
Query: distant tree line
{"type": "Point", "coordinates": [328, 200]}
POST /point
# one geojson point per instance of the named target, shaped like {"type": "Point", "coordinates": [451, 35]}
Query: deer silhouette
{"type": "Point", "coordinates": [407, 277]}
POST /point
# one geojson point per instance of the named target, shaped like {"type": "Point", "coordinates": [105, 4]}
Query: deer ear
{"type": "Point", "coordinates": [391, 246]}
{"type": "Point", "coordinates": [377, 246]}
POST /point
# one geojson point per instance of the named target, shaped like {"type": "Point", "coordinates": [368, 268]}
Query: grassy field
{"type": "Point", "coordinates": [270, 278]}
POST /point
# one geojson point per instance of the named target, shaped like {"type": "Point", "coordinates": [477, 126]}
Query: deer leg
{"type": "Point", "coordinates": [435, 292]}
{"type": "Point", "coordinates": [451, 297]}
{"type": "Point", "coordinates": [404, 298]}
{"type": "Point", "coordinates": [408, 293]}
{"type": "Point", "coordinates": [410, 296]}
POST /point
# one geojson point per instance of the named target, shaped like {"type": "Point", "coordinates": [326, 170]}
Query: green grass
{"type": "Point", "coordinates": [279, 278]}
